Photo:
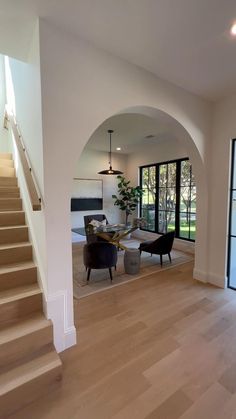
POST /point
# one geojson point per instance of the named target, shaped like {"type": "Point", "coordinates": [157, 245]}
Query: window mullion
{"type": "Point", "coordinates": [190, 202]}
{"type": "Point", "coordinates": [166, 209]}
{"type": "Point", "coordinates": [157, 200]}
{"type": "Point", "coordinates": [141, 199]}
{"type": "Point", "coordinates": [177, 204]}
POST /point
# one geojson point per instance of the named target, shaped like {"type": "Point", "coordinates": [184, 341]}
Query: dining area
{"type": "Point", "coordinates": [111, 254]}
{"type": "Point", "coordinates": [103, 241]}
{"type": "Point", "coordinates": [113, 241]}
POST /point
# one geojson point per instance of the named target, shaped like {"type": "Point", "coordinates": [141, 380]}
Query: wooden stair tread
{"type": "Point", "coordinates": [14, 294]}
{"type": "Point", "coordinates": [7, 177]}
{"type": "Point", "coordinates": [13, 245]}
{"type": "Point", "coordinates": [9, 187]}
{"type": "Point", "coordinates": [9, 199]}
{"type": "Point", "coordinates": [23, 327]}
{"type": "Point", "coordinates": [28, 360]}
{"type": "Point", "coordinates": [27, 372]}
{"type": "Point", "coordinates": [16, 227]}
{"type": "Point", "coordinates": [17, 266]}
{"type": "Point", "coordinates": [12, 211]}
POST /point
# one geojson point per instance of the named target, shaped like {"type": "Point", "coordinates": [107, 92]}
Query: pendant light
{"type": "Point", "coordinates": [110, 171]}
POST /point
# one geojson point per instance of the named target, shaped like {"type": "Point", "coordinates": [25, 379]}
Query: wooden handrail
{"type": "Point", "coordinates": [30, 182]}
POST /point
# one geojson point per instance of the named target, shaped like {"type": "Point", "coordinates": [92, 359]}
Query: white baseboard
{"type": "Point", "coordinates": [200, 275]}
{"type": "Point", "coordinates": [64, 334]}
{"type": "Point", "coordinates": [217, 280]}
{"type": "Point", "coordinates": [69, 337]}
{"type": "Point", "coordinates": [214, 279]}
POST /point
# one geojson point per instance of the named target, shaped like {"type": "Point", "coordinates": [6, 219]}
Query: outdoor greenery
{"type": "Point", "coordinates": [129, 196]}
{"type": "Point", "coordinates": [166, 196]}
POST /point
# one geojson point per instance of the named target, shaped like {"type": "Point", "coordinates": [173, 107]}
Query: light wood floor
{"type": "Point", "coordinates": [163, 347]}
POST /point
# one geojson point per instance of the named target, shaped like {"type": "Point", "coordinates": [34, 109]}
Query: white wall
{"type": "Point", "coordinates": [81, 87]}
{"type": "Point", "coordinates": [27, 91]}
{"type": "Point", "coordinates": [4, 140]}
{"type": "Point", "coordinates": [164, 150]}
{"type": "Point", "coordinates": [89, 164]}
{"type": "Point", "coordinates": [224, 130]}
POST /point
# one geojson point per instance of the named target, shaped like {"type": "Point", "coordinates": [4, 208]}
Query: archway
{"type": "Point", "coordinates": [192, 151]}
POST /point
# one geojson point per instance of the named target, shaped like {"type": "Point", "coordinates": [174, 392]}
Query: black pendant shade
{"type": "Point", "coordinates": [110, 171]}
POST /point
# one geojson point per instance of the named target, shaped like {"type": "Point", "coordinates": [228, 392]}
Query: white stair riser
{"type": "Point", "coordinates": [25, 345]}
{"type": "Point", "coordinates": [15, 254]}
{"type": "Point", "coordinates": [15, 279]}
{"type": "Point", "coordinates": [12, 219]}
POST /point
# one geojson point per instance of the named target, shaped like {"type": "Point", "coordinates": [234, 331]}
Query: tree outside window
{"type": "Point", "coordinates": [169, 199]}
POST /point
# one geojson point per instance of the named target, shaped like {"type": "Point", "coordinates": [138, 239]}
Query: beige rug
{"type": "Point", "coordinates": [99, 278]}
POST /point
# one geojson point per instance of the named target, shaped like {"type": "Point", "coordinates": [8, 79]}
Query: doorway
{"type": "Point", "coordinates": [232, 223]}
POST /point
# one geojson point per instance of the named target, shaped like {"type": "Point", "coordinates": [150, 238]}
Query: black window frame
{"type": "Point", "coordinates": [231, 192]}
{"type": "Point", "coordinates": [177, 204]}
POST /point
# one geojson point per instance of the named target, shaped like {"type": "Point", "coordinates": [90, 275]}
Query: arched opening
{"type": "Point", "coordinates": [96, 87]}
{"type": "Point", "coordinates": [145, 136]}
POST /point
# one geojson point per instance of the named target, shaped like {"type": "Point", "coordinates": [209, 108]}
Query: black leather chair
{"type": "Point", "coordinates": [100, 255]}
{"type": "Point", "coordinates": [161, 246]}
{"type": "Point", "coordinates": [91, 238]}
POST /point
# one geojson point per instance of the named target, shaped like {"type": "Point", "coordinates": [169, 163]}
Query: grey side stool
{"type": "Point", "coordinates": [132, 261]}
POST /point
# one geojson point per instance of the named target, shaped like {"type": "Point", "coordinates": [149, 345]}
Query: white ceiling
{"type": "Point", "coordinates": [130, 131]}
{"type": "Point", "coordinates": [186, 42]}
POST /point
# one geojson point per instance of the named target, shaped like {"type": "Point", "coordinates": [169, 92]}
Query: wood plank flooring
{"type": "Point", "coordinates": [163, 347]}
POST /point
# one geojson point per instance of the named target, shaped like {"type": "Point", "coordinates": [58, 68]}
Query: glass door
{"type": "Point", "coordinates": [232, 224]}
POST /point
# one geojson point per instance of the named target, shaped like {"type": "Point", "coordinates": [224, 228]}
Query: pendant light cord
{"type": "Point", "coordinates": [110, 152]}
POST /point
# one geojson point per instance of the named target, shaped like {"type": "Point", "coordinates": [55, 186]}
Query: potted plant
{"type": "Point", "coordinates": [128, 198]}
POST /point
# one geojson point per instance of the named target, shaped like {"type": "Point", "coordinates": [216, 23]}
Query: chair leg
{"type": "Point", "coordinates": [110, 272]}
{"type": "Point", "coordinates": [115, 267]}
{"type": "Point", "coordinates": [161, 259]}
{"type": "Point", "coordinates": [140, 251]}
{"type": "Point", "coordinates": [88, 274]}
{"type": "Point", "coordinates": [169, 257]}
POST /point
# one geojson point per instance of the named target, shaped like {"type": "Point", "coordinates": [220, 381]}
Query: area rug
{"type": "Point", "coordinates": [99, 278]}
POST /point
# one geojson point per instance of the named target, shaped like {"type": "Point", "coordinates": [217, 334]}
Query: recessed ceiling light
{"type": "Point", "coordinates": [118, 148]}
{"type": "Point", "coordinates": [233, 29]}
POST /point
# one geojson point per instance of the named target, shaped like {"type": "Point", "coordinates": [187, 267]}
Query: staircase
{"type": "Point", "coordinates": [29, 363]}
